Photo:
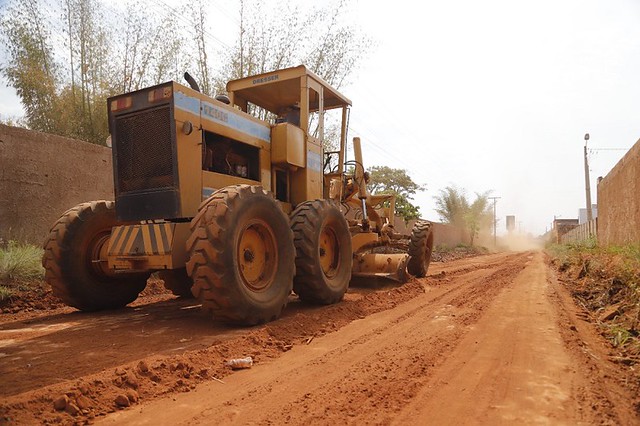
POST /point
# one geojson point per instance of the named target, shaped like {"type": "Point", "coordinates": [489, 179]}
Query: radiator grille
{"type": "Point", "coordinates": [144, 150]}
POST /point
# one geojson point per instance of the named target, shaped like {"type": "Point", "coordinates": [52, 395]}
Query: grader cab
{"type": "Point", "coordinates": [235, 210]}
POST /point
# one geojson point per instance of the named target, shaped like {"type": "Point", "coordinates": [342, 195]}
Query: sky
{"type": "Point", "coordinates": [493, 95]}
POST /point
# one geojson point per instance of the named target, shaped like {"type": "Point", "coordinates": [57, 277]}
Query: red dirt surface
{"type": "Point", "coordinates": [494, 339]}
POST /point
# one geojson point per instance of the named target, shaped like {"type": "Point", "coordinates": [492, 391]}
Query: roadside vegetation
{"type": "Point", "coordinates": [65, 58]}
{"type": "Point", "coordinates": [455, 208]}
{"type": "Point", "coordinates": [606, 282]}
{"type": "Point", "coordinates": [19, 268]}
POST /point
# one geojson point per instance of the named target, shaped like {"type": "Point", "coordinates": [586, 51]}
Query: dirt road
{"type": "Point", "coordinates": [489, 340]}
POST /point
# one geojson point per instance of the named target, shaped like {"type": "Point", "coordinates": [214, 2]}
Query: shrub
{"type": "Point", "coordinates": [20, 262]}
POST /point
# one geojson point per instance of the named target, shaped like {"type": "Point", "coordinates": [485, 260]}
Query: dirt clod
{"type": "Point", "coordinates": [83, 402]}
{"type": "Point", "coordinates": [61, 403]}
{"type": "Point", "coordinates": [143, 367]}
{"type": "Point", "coordinates": [122, 401]}
{"type": "Point", "coordinates": [72, 409]}
{"type": "Point", "coordinates": [132, 396]}
{"type": "Point", "coordinates": [132, 380]}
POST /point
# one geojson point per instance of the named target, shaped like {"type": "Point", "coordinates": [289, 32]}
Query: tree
{"type": "Point", "coordinates": [64, 66]}
{"type": "Point", "coordinates": [478, 215]}
{"type": "Point", "coordinates": [272, 38]}
{"type": "Point", "coordinates": [31, 68]}
{"type": "Point", "coordinates": [453, 207]}
{"type": "Point", "coordinates": [386, 180]}
{"type": "Point", "coordinates": [199, 19]}
{"type": "Point", "coordinates": [64, 90]}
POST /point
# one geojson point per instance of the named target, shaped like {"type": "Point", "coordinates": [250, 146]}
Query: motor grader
{"type": "Point", "coordinates": [235, 210]}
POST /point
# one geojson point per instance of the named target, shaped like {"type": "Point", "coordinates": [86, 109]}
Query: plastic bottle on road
{"type": "Point", "coordinates": [239, 363]}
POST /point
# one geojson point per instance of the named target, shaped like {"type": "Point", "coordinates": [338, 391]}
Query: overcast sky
{"type": "Point", "coordinates": [491, 95]}
{"type": "Point", "coordinates": [497, 95]}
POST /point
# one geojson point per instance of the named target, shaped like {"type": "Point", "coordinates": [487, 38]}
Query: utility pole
{"type": "Point", "coordinates": [586, 179]}
{"type": "Point", "coordinates": [495, 222]}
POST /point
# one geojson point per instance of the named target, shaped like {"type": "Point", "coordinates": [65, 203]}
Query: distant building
{"type": "Point", "coordinates": [562, 226]}
{"type": "Point", "coordinates": [582, 214]}
{"type": "Point", "coordinates": [511, 223]}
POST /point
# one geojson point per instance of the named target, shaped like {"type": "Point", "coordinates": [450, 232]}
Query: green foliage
{"type": "Point", "coordinates": [64, 90]}
{"type": "Point", "coordinates": [386, 180]}
{"type": "Point", "coordinates": [452, 205]}
{"type": "Point", "coordinates": [30, 67]}
{"type": "Point", "coordinates": [5, 293]}
{"type": "Point", "coordinates": [64, 66]}
{"type": "Point", "coordinates": [20, 262]}
{"type": "Point", "coordinates": [454, 208]}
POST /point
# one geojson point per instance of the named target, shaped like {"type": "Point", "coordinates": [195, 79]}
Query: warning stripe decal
{"type": "Point", "coordinates": [135, 240]}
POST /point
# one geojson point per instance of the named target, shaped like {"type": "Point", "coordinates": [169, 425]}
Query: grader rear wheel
{"type": "Point", "coordinates": [420, 249]}
{"type": "Point", "coordinates": [323, 252]}
{"type": "Point", "coordinates": [177, 281]}
{"type": "Point", "coordinates": [75, 260]}
{"type": "Point", "coordinates": [241, 256]}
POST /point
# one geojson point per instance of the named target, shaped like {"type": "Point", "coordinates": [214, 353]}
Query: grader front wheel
{"type": "Point", "coordinates": [75, 260]}
{"type": "Point", "coordinates": [323, 252]}
{"type": "Point", "coordinates": [241, 256]}
{"type": "Point", "coordinates": [420, 249]}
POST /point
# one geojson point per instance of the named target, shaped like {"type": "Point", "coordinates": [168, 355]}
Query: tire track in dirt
{"type": "Point", "coordinates": [358, 373]}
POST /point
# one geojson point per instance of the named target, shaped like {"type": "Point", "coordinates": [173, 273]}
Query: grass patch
{"type": "Point", "coordinates": [19, 264]}
{"type": "Point", "coordinates": [5, 293]}
{"type": "Point", "coordinates": [606, 282]}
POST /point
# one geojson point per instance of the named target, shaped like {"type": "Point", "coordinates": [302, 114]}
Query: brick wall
{"type": "Point", "coordinates": [619, 201]}
{"type": "Point", "coordinates": [42, 175]}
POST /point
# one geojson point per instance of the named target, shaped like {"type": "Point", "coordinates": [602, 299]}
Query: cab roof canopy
{"type": "Point", "coordinates": [277, 90]}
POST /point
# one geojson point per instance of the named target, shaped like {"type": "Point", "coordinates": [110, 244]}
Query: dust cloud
{"type": "Point", "coordinates": [519, 242]}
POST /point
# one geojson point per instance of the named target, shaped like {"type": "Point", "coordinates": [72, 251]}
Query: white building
{"type": "Point", "coordinates": [582, 213]}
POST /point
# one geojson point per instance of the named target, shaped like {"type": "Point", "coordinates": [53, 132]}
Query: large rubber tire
{"type": "Point", "coordinates": [177, 281]}
{"type": "Point", "coordinates": [323, 252]}
{"type": "Point", "coordinates": [70, 260]}
{"type": "Point", "coordinates": [420, 249]}
{"type": "Point", "coordinates": [241, 256]}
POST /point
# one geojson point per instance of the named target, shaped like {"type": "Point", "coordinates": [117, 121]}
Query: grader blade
{"type": "Point", "coordinates": [378, 265]}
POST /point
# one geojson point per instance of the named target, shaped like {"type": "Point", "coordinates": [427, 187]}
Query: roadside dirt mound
{"type": "Point", "coordinates": [611, 302]}
{"type": "Point", "coordinates": [29, 297]}
{"type": "Point", "coordinates": [35, 298]}
{"type": "Point", "coordinates": [79, 401]}
{"type": "Point", "coordinates": [457, 253]}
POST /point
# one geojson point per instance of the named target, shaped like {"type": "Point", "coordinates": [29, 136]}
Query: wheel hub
{"type": "Point", "coordinates": [97, 255]}
{"type": "Point", "coordinates": [257, 255]}
{"type": "Point", "coordinates": [329, 252]}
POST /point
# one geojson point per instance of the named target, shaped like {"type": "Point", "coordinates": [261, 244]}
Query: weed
{"type": "Point", "coordinates": [20, 262]}
{"type": "Point", "coordinates": [5, 293]}
{"type": "Point", "coordinates": [620, 336]}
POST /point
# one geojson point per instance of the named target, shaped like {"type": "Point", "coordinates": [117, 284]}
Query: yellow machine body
{"type": "Point", "coordinates": [174, 146]}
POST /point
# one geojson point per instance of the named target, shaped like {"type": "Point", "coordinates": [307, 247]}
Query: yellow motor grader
{"type": "Point", "coordinates": [232, 209]}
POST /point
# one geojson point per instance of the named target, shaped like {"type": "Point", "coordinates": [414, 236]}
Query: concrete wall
{"type": "Point", "coordinates": [581, 233]}
{"type": "Point", "coordinates": [619, 201]}
{"type": "Point", "coordinates": [561, 227]}
{"type": "Point", "coordinates": [42, 175]}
